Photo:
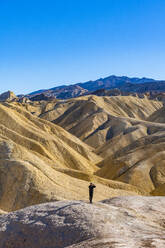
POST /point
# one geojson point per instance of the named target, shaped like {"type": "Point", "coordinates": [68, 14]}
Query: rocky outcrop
{"type": "Point", "coordinates": [23, 100]}
{"type": "Point", "coordinates": [7, 96]}
{"type": "Point", "coordinates": [126, 222]}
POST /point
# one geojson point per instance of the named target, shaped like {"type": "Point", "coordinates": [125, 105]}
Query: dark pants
{"type": "Point", "coordinates": [90, 196]}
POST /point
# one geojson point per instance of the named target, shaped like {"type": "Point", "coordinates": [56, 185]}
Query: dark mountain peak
{"type": "Point", "coordinates": [41, 97]}
{"type": "Point", "coordinates": [123, 83]}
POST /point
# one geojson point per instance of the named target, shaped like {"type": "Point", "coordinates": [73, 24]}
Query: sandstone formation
{"type": "Point", "coordinates": [123, 131]}
{"type": "Point", "coordinates": [126, 222]}
{"type": "Point", "coordinates": [125, 135]}
{"type": "Point", "coordinates": [40, 162]}
{"type": "Point", "coordinates": [92, 118]}
{"type": "Point", "coordinates": [120, 129]}
{"type": "Point", "coordinates": [136, 160]}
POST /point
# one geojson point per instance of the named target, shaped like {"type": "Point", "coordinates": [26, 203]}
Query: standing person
{"type": "Point", "coordinates": [91, 187]}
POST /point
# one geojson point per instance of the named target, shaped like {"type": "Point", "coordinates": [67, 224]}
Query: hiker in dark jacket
{"type": "Point", "coordinates": [91, 187]}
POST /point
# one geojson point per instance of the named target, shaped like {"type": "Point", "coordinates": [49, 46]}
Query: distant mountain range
{"type": "Point", "coordinates": [123, 83]}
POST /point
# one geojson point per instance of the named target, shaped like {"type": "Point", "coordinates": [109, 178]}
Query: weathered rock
{"type": "Point", "coordinates": [7, 96]}
{"type": "Point", "coordinates": [126, 222]}
{"type": "Point", "coordinates": [24, 100]}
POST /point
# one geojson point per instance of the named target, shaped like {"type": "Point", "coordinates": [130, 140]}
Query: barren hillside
{"type": "Point", "coordinates": [124, 132]}
{"type": "Point", "coordinates": [92, 118]}
{"type": "Point", "coordinates": [40, 162]}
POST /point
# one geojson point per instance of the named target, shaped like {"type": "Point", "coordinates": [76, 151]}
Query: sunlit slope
{"type": "Point", "coordinates": [40, 161]}
{"type": "Point", "coordinates": [91, 118]}
{"type": "Point", "coordinates": [45, 139]}
{"type": "Point", "coordinates": [127, 146]}
{"type": "Point", "coordinates": [125, 131]}
{"type": "Point", "coordinates": [140, 162]}
{"type": "Point", "coordinates": [137, 155]}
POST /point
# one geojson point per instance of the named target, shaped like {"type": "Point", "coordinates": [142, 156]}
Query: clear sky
{"type": "Point", "coordinates": [45, 43]}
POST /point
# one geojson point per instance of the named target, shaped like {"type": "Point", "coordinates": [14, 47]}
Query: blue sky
{"type": "Point", "coordinates": [45, 43]}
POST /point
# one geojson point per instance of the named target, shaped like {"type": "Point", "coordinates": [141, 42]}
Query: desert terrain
{"type": "Point", "coordinates": [50, 150]}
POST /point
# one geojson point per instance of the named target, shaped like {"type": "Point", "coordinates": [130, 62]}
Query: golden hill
{"type": "Point", "coordinates": [138, 161]}
{"type": "Point", "coordinates": [136, 154]}
{"type": "Point", "coordinates": [124, 132]}
{"type": "Point", "coordinates": [91, 118]}
{"type": "Point", "coordinates": [40, 161]}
